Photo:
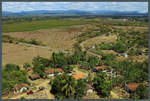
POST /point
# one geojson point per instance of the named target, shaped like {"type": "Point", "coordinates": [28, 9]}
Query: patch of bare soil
{"type": "Point", "coordinates": [118, 93]}
{"type": "Point", "coordinates": [135, 28]}
{"type": "Point", "coordinates": [92, 95]}
{"type": "Point", "coordinates": [44, 94]}
{"type": "Point", "coordinates": [139, 58]}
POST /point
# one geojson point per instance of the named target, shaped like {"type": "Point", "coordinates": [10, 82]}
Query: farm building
{"type": "Point", "coordinates": [131, 87]}
{"type": "Point", "coordinates": [52, 71]}
{"type": "Point", "coordinates": [34, 77]}
{"type": "Point", "coordinates": [103, 68]}
{"type": "Point", "coordinates": [20, 88]}
{"type": "Point", "coordinates": [107, 69]}
{"type": "Point", "coordinates": [78, 76]}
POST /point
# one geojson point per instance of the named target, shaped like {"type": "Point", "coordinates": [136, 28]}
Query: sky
{"type": "Point", "coordinates": [91, 6]}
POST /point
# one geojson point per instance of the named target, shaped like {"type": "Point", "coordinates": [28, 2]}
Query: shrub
{"type": "Point", "coordinates": [11, 67]}
{"type": "Point", "coordinates": [26, 65]}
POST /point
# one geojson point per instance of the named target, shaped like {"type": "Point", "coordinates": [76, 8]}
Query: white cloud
{"type": "Point", "coordinates": [121, 6]}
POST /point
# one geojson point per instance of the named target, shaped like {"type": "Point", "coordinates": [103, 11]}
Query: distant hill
{"type": "Point", "coordinates": [72, 12]}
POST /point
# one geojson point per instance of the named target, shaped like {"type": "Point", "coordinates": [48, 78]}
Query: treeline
{"type": "Point", "coordinates": [9, 39]}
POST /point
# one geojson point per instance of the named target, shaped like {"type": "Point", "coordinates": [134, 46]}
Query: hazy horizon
{"type": "Point", "coordinates": [141, 7]}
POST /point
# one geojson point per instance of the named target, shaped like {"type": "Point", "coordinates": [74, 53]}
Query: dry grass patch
{"type": "Point", "coordinates": [97, 40]}
{"type": "Point", "coordinates": [20, 54]}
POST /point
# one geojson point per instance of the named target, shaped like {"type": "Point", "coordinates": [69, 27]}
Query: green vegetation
{"type": "Point", "coordinates": [67, 87]}
{"type": "Point", "coordinates": [9, 39]}
{"type": "Point", "coordinates": [26, 65]}
{"type": "Point", "coordinates": [101, 84]}
{"type": "Point", "coordinates": [141, 92]}
{"type": "Point", "coordinates": [38, 24]}
{"type": "Point", "coordinates": [39, 65]}
{"type": "Point", "coordinates": [12, 75]}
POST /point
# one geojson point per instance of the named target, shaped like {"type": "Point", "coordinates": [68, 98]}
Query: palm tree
{"type": "Point", "coordinates": [68, 87]}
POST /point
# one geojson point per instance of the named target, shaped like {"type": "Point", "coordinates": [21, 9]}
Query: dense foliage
{"type": "Point", "coordinates": [12, 75]}
{"type": "Point", "coordinates": [67, 87]}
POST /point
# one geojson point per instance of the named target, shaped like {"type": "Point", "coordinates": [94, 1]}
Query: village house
{"type": "Point", "coordinates": [131, 87]}
{"type": "Point", "coordinates": [103, 68]}
{"type": "Point", "coordinates": [51, 72]}
{"type": "Point", "coordinates": [34, 77]}
{"type": "Point", "coordinates": [107, 69]}
{"type": "Point", "coordinates": [19, 88]}
{"type": "Point", "coordinates": [124, 54]}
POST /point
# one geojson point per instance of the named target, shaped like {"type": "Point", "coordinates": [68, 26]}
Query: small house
{"type": "Point", "coordinates": [34, 77]}
{"type": "Point", "coordinates": [19, 88]}
{"type": "Point", "coordinates": [103, 68]}
{"type": "Point", "coordinates": [93, 47]}
{"type": "Point", "coordinates": [51, 72]}
{"type": "Point", "coordinates": [124, 54]}
{"type": "Point", "coordinates": [90, 91]}
{"type": "Point", "coordinates": [131, 87]}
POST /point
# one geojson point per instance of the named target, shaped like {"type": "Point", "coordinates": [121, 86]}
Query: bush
{"type": "Point", "coordinates": [101, 84]}
{"type": "Point", "coordinates": [11, 67]}
{"type": "Point", "coordinates": [66, 87]}
{"type": "Point", "coordinates": [39, 65]}
{"type": "Point", "coordinates": [84, 65]}
{"type": "Point", "coordinates": [119, 47]}
{"type": "Point", "coordinates": [68, 69]}
{"type": "Point", "coordinates": [34, 42]}
{"type": "Point", "coordinates": [26, 65]}
{"type": "Point", "coordinates": [93, 61]}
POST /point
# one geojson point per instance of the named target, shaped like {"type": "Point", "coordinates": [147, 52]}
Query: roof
{"type": "Point", "coordinates": [78, 76]}
{"type": "Point", "coordinates": [133, 86]}
{"type": "Point", "coordinates": [101, 67]}
{"type": "Point", "coordinates": [52, 70]}
{"type": "Point", "coordinates": [34, 76]}
{"type": "Point", "coordinates": [59, 70]}
{"type": "Point", "coordinates": [49, 71]}
{"type": "Point", "coordinates": [19, 86]}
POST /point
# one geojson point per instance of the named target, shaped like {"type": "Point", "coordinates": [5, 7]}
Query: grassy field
{"type": "Point", "coordinates": [35, 25]}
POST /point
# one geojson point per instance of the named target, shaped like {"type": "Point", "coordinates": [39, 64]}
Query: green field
{"type": "Point", "coordinates": [36, 25]}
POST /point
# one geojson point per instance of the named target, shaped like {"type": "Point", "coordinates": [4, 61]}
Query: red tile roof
{"type": "Point", "coordinates": [78, 76]}
{"type": "Point", "coordinates": [49, 71]}
{"type": "Point", "coordinates": [52, 70]}
{"type": "Point", "coordinates": [59, 70]}
{"type": "Point", "coordinates": [19, 86]}
{"type": "Point", "coordinates": [133, 86]}
{"type": "Point", "coordinates": [102, 67]}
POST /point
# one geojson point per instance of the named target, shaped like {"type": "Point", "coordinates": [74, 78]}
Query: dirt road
{"type": "Point", "coordinates": [47, 91]}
